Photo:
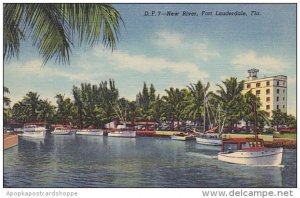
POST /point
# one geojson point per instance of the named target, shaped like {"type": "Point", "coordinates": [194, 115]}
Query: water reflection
{"type": "Point", "coordinates": [96, 161]}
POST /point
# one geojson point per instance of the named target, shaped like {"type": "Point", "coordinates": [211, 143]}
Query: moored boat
{"type": "Point", "coordinates": [245, 151]}
{"type": "Point", "coordinates": [182, 137]}
{"type": "Point", "coordinates": [90, 132]}
{"type": "Point", "coordinates": [34, 130]}
{"type": "Point", "coordinates": [61, 131]}
{"type": "Point", "coordinates": [209, 139]}
{"type": "Point", "coordinates": [122, 133]}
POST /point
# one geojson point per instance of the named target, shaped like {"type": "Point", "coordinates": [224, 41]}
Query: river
{"type": "Point", "coordinates": [82, 161]}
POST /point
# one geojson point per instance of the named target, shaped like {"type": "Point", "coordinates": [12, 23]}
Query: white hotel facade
{"type": "Point", "coordinates": [272, 91]}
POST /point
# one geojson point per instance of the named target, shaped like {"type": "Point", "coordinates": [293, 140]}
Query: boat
{"type": "Point", "coordinates": [250, 151]}
{"type": "Point", "coordinates": [61, 131]}
{"type": "Point", "coordinates": [124, 134]}
{"type": "Point", "coordinates": [122, 131]}
{"type": "Point", "coordinates": [244, 151]}
{"type": "Point", "coordinates": [90, 132]}
{"type": "Point", "coordinates": [34, 130]}
{"type": "Point", "coordinates": [182, 137]}
{"type": "Point", "coordinates": [210, 139]}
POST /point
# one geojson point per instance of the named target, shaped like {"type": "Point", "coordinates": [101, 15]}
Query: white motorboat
{"type": "Point", "coordinates": [182, 137]}
{"type": "Point", "coordinates": [245, 151]}
{"type": "Point", "coordinates": [90, 132]}
{"type": "Point", "coordinates": [122, 133]}
{"type": "Point", "coordinates": [34, 130]}
{"type": "Point", "coordinates": [61, 131]}
{"type": "Point", "coordinates": [250, 151]}
{"type": "Point", "coordinates": [210, 139]}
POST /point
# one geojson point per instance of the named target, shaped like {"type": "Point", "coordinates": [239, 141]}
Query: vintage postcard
{"type": "Point", "coordinates": [150, 96]}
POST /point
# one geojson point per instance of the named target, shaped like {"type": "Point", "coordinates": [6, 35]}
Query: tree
{"type": "Point", "coordinates": [95, 104]}
{"type": "Point", "coordinates": [54, 28]}
{"type": "Point", "coordinates": [65, 109]}
{"type": "Point", "coordinates": [195, 101]}
{"type": "Point", "coordinates": [174, 101]}
{"type": "Point", "coordinates": [6, 103]}
{"type": "Point", "coordinates": [281, 118]}
{"type": "Point", "coordinates": [31, 101]}
{"type": "Point", "coordinates": [230, 99]}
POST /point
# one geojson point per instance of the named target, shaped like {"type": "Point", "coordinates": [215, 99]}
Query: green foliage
{"type": "Point", "coordinates": [281, 118]}
{"type": "Point", "coordinates": [92, 101]}
{"type": "Point", "coordinates": [33, 109]}
{"type": "Point", "coordinates": [7, 114]}
{"type": "Point", "coordinates": [95, 105]}
{"type": "Point", "coordinates": [53, 28]}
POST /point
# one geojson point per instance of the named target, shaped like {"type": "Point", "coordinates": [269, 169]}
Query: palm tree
{"type": "Point", "coordinates": [31, 101]}
{"type": "Point", "coordinates": [230, 99]}
{"type": "Point", "coordinates": [195, 101]}
{"type": "Point", "coordinates": [46, 111]}
{"type": "Point", "coordinates": [54, 28]}
{"type": "Point", "coordinates": [65, 109]}
{"type": "Point", "coordinates": [247, 112]}
{"type": "Point", "coordinates": [6, 100]}
{"type": "Point", "coordinates": [174, 104]}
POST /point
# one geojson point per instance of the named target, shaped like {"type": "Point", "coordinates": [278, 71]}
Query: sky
{"type": "Point", "coordinates": [170, 51]}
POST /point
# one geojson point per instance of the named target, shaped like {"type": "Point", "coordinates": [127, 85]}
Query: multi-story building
{"type": "Point", "coordinates": [271, 91]}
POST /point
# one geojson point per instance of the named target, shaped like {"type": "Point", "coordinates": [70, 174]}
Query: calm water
{"type": "Point", "coordinates": [79, 161]}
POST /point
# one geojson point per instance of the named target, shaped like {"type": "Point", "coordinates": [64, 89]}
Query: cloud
{"type": "Point", "coordinates": [178, 42]}
{"type": "Point", "coordinates": [75, 73]}
{"type": "Point", "coordinates": [141, 63]}
{"type": "Point", "coordinates": [266, 64]}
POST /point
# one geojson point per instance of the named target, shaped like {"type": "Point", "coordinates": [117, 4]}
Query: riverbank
{"type": "Point", "coordinates": [282, 142]}
{"type": "Point", "coordinates": [10, 141]}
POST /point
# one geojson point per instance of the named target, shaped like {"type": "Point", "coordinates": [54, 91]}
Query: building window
{"type": "Point", "coordinates": [268, 107]}
{"type": "Point", "coordinates": [268, 91]}
{"type": "Point", "coordinates": [283, 83]}
{"type": "Point", "coordinates": [277, 83]}
{"type": "Point", "coordinates": [248, 85]}
{"type": "Point", "coordinates": [257, 84]}
{"type": "Point", "coordinates": [277, 99]}
{"type": "Point", "coordinates": [278, 91]}
{"type": "Point", "coordinates": [283, 98]}
{"type": "Point", "coordinates": [257, 92]}
{"type": "Point", "coordinates": [284, 91]}
{"type": "Point", "coordinates": [268, 99]}
{"type": "Point", "coordinates": [268, 114]}
{"type": "Point", "coordinates": [277, 106]}
{"type": "Point", "coordinates": [283, 106]}
{"type": "Point", "coordinates": [268, 83]}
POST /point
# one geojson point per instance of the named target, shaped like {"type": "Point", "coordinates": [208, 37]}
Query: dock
{"type": "Point", "coordinates": [10, 141]}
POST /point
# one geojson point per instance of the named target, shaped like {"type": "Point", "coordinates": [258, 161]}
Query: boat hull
{"type": "Point", "coordinates": [35, 135]}
{"type": "Point", "coordinates": [123, 134]}
{"type": "Point", "coordinates": [181, 138]}
{"type": "Point", "coordinates": [206, 141]}
{"type": "Point", "coordinates": [90, 132]}
{"type": "Point", "coordinates": [63, 132]}
{"type": "Point", "coordinates": [265, 157]}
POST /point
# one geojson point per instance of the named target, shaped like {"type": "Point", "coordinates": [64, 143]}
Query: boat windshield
{"type": "Point", "coordinates": [250, 145]}
{"type": "Point", "coordinates": [230, 147]}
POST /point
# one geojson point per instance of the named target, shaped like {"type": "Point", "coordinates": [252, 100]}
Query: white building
{"type": "Point", "coordinates": [272, 91]}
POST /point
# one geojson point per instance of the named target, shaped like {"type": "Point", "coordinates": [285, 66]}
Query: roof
{"type": "Point", "coordinates": [30, 123]}
{"type": "Point", "coordinates": [239, 140]}
{"type": "Point", "coordinates": [141, 123]}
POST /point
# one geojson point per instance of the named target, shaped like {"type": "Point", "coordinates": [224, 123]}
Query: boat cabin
{"type": "Point", "coordinates": [234, 144]}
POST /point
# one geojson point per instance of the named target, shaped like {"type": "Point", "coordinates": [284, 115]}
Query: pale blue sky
{"type": "Point", "coordinates": [171, 51]}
